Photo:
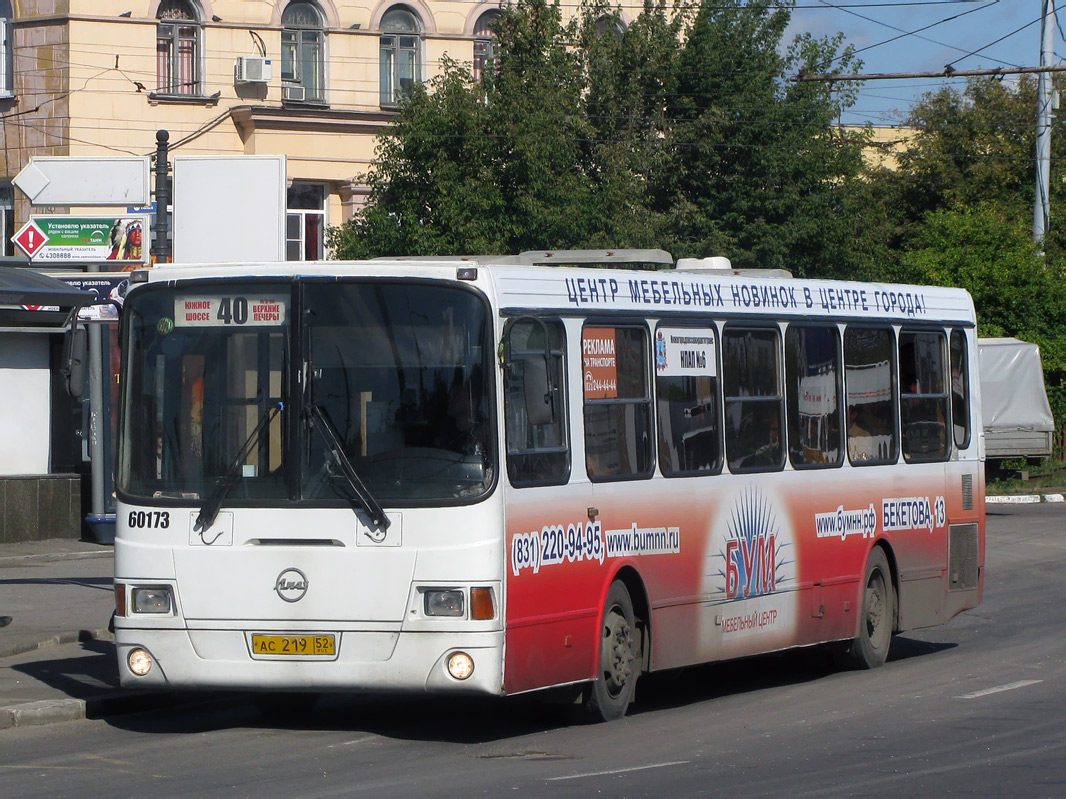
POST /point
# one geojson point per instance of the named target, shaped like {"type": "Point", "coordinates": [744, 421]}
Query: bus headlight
{"type": "Point", "coordinates": [139, 661]}
{"type": "Point", "coordinates": [155, 599]}
{"type": "Point", "coordinates": [460, 665]}
{"type": "Point", "coordinates": [444, 603]}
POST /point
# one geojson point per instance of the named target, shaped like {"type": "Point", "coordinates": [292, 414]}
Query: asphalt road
{"type": "Point", "coordinates": [971, 708]}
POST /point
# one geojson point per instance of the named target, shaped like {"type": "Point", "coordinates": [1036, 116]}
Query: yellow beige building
{"type": "Point", "coordinates": [314, 80]}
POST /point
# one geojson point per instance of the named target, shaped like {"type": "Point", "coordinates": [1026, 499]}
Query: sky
{"type": "Point", "coordinates": [968, 34]}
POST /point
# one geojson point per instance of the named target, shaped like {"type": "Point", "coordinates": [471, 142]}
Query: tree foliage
{"type": "Point", "coordinates": [960, 210]}
{"type": "Point", "coordinates": [679, 131]}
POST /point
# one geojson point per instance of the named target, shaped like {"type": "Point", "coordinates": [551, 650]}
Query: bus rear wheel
{"type": "Point", "coordinates": [612, 691]}
{"type": "Point", "coordinates": [870, 647]}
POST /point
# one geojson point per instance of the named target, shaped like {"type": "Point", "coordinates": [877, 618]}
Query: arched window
{"type": "Point", "coordinates": [609, 23]}
{"type": "Point", "coordinates": [302, 57]}
{"type": "Point", "coordinates": [178, 49]}
{"type": "Point", "coordinates": [484, 46]}
{"type": "Point", "coordinates": [401, 55]}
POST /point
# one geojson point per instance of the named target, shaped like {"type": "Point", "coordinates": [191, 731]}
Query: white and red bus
{"type": "Point", "coordinates": [465, 476]}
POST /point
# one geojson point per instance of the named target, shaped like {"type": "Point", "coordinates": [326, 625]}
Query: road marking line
{"type": "Point", "coordinates": [999, 689]}
{"type": "Point", "coordinates": [619, 771]}
{"type": "Point", "coordinates": [354, 741]}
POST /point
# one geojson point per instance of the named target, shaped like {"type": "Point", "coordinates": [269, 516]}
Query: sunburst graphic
{"type": "Point", "coordinates": [754, 539]}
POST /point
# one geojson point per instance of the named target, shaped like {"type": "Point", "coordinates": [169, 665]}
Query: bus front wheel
{"type": "Point", "coordinates": [870, 647]}
{"type": "Point", "coordinates": [612, 691]}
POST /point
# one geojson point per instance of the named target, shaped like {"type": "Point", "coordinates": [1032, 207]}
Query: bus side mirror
{"type": "Point", "coordinates": [540, 404]}
{"type": "Point", "coordinates": [75, 356]}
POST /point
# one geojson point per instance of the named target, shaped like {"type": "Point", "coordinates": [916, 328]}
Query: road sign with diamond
{"type": "Point", "coordinates": [30, 238]}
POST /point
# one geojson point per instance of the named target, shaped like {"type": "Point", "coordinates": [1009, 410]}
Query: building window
{"type": "Point", "coordinates": [7, 217]}
{"type": "Point", "coordinates": [812, 374]}
{"type": "Point", "coordinates": [305, 222]}
{"type": "Point", "coordinates": [754, 403]}
{"type": "Point", "coordinates": [401, 55]}
{"type": "Point", "coordinates": [484, 44]}
{"type": "Point", "coordinates": [609, 23]}
{"type": "Point", "coordinates": [7, 79]}
{"type": "Point", "coordinates": [178, 49]}
{"type": "Point", "coordinates": [302, 57]}
{"type": "Point", "coordinates": [618, 423]}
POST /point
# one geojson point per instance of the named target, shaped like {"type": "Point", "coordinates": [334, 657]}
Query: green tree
{"type": "Point", "coordinates": [497, 167]}
{"type": "Point", "coordinates": [970, 147]}
{"type": "Point", "coordinates": [679, 131]}
{"type": "Point", "coordinates": [631, 75]}
{"type": "Point", "coordinates": [759, 173]}
{"type": "Point", "coordinates": [987, 251]}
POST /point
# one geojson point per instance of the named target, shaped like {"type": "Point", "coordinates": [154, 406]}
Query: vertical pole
{"type": "Point", "coordinates": [160, 246]}
{"type": "Point", "coordinates": [98, 504]}
{"type": "Point", "coordinates": [1042, 206]}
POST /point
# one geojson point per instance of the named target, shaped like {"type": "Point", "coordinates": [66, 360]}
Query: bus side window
{"type": "Point", "coordinates": [960, 390]}
{"type": "Point", "coordinates": [754, 403]}
{"type": "Point", "coordinates": [812, 374]}
{"type": "Point", "coordinates": [617, 407]}
{"type": "Point", "coordinates": [688, 398]}
{"type": "Point", "coordinates": [924, 395]}
{"type": "Point", "coordinates": [538, 453]}
{"type": "Point", "coordinates": [869, 380]}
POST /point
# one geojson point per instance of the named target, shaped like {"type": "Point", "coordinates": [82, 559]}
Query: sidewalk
{"type": "Point", "coordinates": [57, 658]}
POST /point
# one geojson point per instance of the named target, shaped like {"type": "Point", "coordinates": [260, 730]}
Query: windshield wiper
{"type": "Point", "coordinates": [336, 450]}
{"type": "Point", "coordinates": [213, 502]}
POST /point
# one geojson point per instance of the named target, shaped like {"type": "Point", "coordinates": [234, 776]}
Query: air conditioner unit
{"type": "Point", "coordinates": [293, 93]}
{"type": "Point", "coordinates": [252, 69]}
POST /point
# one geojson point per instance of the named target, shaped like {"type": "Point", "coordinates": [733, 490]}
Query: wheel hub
{"type": "Point", "coordinates": [618, 653]}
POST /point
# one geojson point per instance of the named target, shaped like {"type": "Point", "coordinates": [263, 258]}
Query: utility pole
{"type": "Point", "coordinates": [160, 245]}
{"type": "Point", "coordinates": [1042, 206]}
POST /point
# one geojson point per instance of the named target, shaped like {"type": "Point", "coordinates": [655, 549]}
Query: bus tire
{"type": "Point", "coordinates": [869, 649]}
{"type": "Point", "coordinates": [612, 690]}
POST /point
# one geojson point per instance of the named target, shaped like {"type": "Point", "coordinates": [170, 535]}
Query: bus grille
{"type": "Point", "coordinates": [967, 492]}
{"type": "Point", "coordinates": [962, 556]}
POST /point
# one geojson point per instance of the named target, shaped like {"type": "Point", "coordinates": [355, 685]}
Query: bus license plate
{"type": "Point", "coordinates": [294, 645]}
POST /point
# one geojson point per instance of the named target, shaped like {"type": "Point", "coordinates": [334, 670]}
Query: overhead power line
{"type": "Point", "coordinates": [947, 72]}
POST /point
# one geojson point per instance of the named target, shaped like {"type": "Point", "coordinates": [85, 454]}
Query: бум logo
{"type": "Point", "coordinates": [754, 549]}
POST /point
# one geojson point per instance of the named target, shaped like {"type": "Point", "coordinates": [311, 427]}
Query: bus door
{"type": "Point", "coordinates": [926, 443]}
{"type": "Point", "coordinates": [550, 618]}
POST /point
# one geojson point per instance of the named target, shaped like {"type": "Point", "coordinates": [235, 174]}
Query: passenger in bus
{"type": "Point", "coordinates": [862, 444]}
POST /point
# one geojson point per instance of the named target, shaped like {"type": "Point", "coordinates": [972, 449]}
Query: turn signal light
{"type": "Point", "coordinates": [120, 599]}
{"type": "Point", "coordinates": [481, 606]}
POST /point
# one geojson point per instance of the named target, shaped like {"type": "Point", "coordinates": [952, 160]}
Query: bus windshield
{"type": "Point", "coordinates": [395, 373]}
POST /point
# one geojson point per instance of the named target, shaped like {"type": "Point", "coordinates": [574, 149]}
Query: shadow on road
{"type": "Point", "coordinates": [479, 720]}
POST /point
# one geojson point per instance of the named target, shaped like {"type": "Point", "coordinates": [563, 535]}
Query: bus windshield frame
{"type": "Point", "coordinates": [398, 371]}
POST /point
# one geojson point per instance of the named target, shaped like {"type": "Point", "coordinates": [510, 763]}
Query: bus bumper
{"type": "Point", "coordinates": [365, 662]}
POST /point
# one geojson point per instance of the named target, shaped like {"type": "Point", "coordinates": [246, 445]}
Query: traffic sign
{"type": "Point", "coordinates": [30, 238]}
{"type": "Point", "coordinates": [72, 180]}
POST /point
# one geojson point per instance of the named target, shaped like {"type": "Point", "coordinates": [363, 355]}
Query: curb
{"type": "Point", "coordinates": [48, 711]}
{"type": "Point", "coordinates": [56, 640]}
{"type": "Point", "coordinates": [51, 711]}
{"type": "Point", "coordinates": [1023, 499]}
